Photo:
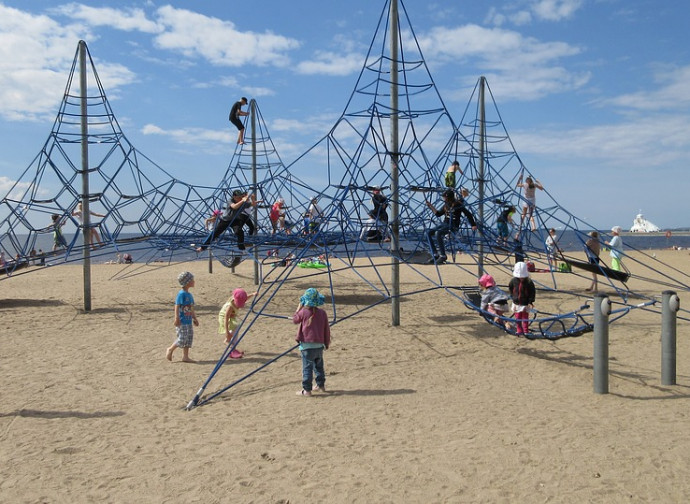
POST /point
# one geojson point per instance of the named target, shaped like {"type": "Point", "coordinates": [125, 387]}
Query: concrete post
{"type": "Point", "coordinates": [602, 310]}
{"type": "Point", "coordinates": [670, 304]}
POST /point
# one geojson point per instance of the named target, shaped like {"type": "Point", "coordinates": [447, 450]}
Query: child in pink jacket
{"type": "Point", "coordinates": [313, 335]}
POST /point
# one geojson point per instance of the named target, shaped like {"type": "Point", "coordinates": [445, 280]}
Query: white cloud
{"type": "Point", "coordinates": [121, 19]}
{"type": "Point", "coordinates": [330, 63]}
{"type": "Point", "coordinates": [195, 136]}
{"type": "Point", "coordinates": [219, 41]}
{"type": "Point", "coordinates": [18, 188]}
{"type": "Point", "coordinates": [541, 10]}
{"type": "Point", "coordinates": [555, 10]}
{"type": "Point", "coordinates": [654, 141]}
{"type": "Point", "coordinates": [526, 67]}
{"type": "Point", "coordinates": [671, 92]}
{"type": "Point", "coordinates": [36, 54]}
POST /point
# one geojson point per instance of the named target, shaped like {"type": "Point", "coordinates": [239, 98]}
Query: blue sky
{"type": "Point", "coordinates": [595, 93]}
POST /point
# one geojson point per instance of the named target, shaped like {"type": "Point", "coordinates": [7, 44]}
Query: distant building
{"type": "Point", "coordinates": [642, 225]}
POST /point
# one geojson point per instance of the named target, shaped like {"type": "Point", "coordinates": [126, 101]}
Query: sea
{"type": "Point", "coordinates": [144, 251]}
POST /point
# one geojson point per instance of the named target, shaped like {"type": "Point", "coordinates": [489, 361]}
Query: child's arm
{"type": "Point", "coordinates": [177, 315]}
{"type": "Point", "coordinates": [194, 319]}
{"type": "Point", "coordinates": [296, 318]}
{"type": "Point", "coordinates": [228, 315]}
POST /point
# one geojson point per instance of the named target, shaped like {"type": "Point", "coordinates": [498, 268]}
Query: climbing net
{"type": "Point", "coordinates": [372, 168]}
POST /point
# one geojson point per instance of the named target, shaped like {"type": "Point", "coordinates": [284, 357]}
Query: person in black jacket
{"type": "Point", "coordinates": [522, 292]}
{"type": "Point", "coordinates": [234, 217]}
{"type": "Point", "coordinates": [452, 209]}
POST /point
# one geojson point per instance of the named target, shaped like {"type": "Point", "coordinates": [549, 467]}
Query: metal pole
{"type": "Point", "coordinates": [602, 310]}
{"type": "Point", "coordinates": [395, 229]}
{"type": "Point", "coordinates": [85, 211]}
{"type": "Point", "coordinates": [669, 306]}
{"type": "Point", "coordinates": [482, 142]}
{"type": "Point", "coordinates": [252, 113]}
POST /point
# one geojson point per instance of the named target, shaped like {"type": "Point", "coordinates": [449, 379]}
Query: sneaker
{"type": "Point", "coordinates": [236, 354]}
{"type": "Point", "coordinates": [320, 388]}
{"type": "Point", "coordinates": [305, 393]}
{"type": "Point", "coordinates": [441, 259]}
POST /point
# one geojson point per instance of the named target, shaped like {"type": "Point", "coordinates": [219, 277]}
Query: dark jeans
{"type": "Point", "coordinates": [439, 232]}
{"type": "Point", "coordinates": [312, 363]}
{"type": "Point", "coordinates": [221, 225]}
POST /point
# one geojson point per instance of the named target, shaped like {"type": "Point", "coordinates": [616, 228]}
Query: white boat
{"type": "Point", "coordinates": [642, 225]}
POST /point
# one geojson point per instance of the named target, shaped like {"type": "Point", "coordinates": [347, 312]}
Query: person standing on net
{"type": "Point", "coordinates": [313, 336]}
{"type": "Point", "coordinates": [452, 210]}
{"type": "Point", "coordinates": [523, 293]}
{"type": "Point", "coordinates": [235, 113]}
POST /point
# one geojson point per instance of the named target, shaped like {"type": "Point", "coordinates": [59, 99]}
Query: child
{"type": "Point", "coordinates": [494, 300]}
{"type": "Point", "coordinates": [277, 216]}
{"type": "Point", "coordinates": [530, 202]}
{"type": "Point", "coordinates": [94, 236]}
{"type": "Point", "coordinates": [184, 317]}
{"type": "Point", "coordinates": [551, 248]}
{"type": "Point", "coordinates": [522, 291]}
{"type": "Point", "coordinates": [450, 174]}
{"type": "Point", "coordinates": [616, 245]}
{"type": "Point", "coordinates": [504, 220]}
{"type": "Point", "coordinates": [59, 241]}
{"type": "Point", "coordinates": [313, 335]}
{"type": "Point", "coordinates": [227, 318]}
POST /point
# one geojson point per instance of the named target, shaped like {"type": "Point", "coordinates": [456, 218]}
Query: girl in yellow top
{"type": "Point", "coordinates": [227, 318]}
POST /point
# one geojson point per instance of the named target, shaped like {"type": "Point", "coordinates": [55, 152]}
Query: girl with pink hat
{"type": "Point", "coordinates": [494, 300]}
{"type": "Point", "coordinates": [227, 318]}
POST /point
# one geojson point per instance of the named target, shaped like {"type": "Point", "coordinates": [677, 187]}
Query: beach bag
{"type": "Point", "coordinates": [564, 267]}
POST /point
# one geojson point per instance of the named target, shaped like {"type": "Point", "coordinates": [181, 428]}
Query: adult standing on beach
{"type": "Point", "coordinates": [593, 248]}
{"type": "Point", "coordinates": [235, 113]}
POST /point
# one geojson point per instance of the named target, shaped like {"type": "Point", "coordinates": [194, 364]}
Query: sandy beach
{"type": "Point", "coordinates": [443, 408]}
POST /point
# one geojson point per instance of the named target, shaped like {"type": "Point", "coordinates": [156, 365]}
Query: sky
{"type": "Point", "coordinates": [595, 94]}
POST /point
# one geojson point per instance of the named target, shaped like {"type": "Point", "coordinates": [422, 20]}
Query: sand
{"type": "Point", "coordinates": [443, 408]}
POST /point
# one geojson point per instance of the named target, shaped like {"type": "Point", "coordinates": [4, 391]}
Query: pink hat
{"type": "Point", "coordinates": [486, 281]}
{"type": "Point", "coordinates": [239, 296]}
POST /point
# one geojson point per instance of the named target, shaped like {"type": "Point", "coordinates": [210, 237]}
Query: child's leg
{"type": "Point", "coordinates": [170, 350]}
{"type": "Point", "coordinates": [320, 371]}
{"type": "Point", "coordinates": [307, 369]}
{"type": "Point", "coordinates": [518, 322]}
{"type": "Point", "coordinates": [185, 355]}
{"type": "Point", "coordinates": [525, 322]}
